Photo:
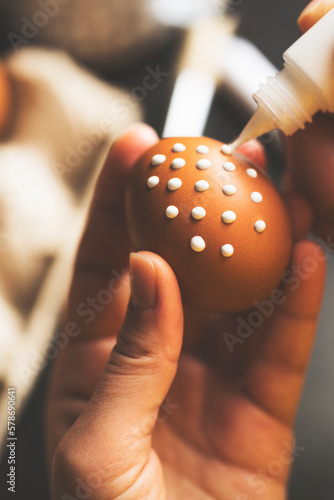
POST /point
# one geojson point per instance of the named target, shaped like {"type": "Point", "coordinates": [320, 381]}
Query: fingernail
{"type": "Point", "coordinates": [143, 282]}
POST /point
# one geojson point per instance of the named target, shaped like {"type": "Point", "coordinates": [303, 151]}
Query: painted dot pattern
{"type": "Point", "coordinates": [178, 148]}
{"type": "Point", "coordinates": [158, 160]}
{"type": "Point", "coordinates": [197, 243]}
{"type": "Point", "coordinates": [172, 212]}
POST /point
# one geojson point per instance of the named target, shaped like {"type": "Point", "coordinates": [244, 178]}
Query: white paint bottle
{"type": "Point", "coordinates": [305, 85]}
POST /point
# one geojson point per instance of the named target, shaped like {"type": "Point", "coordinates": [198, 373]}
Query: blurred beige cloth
{"type": "Point", "coordinates": [66, 120]}
{"type": "Point", "coordinates": [101, 33]}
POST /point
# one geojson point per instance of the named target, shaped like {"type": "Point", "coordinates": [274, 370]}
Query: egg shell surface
{"type": "Point", "coordinates": [244, 257]}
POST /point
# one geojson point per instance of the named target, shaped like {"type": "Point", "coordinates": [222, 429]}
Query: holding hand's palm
{"type": "Point", "coordinates": [225, 430]}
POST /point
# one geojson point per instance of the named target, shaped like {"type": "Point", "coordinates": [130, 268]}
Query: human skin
{"type": "Point", "coordinates": [225, 430]}
{"type": "Point", "coordinates": [310, 152]}
{"type": "Point", "coordinates": [5, 99]}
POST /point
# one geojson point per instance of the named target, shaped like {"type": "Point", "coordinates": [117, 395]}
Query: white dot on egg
{"type": "Point", "coordinates": [203, 164]}
{"type": "Point", "coordinates": [226, 149]}
{"type": "Point", "coordinates": [229, 217]}
{"type": "Point", "coordinates": [197, 244]}
{"type": "Point", "coordinates": [153, 181]}
{"type": "Point", "coordinates": [252, 172]}
{"type": "Point", "coordinates": [172, 212]}
{"type": "Point", "coordinates": [202, 150]}
{"type": "Point", "coordinates": [228, 166]}
{"type": "Point", "coordinates": [178, 163]}
{"type": "Point", "coordinates": [158, 160]}
{"type": "Point", "coordinates": [178, 148]}
{"type": "Point", "coordinates": [174, 184]}
{"type": "Point", "coordinates": [229, 190]}
{"type": "Point", "coordinates": [227, 250]}
{"type": "Point", "coordinates": [256, 197]}
{"type": "Point", "coordinates": [201, 186]}
{"type": "Point", "coordinates": [198, 213]}
{"type": "Point", "coordinates": [260, 226]}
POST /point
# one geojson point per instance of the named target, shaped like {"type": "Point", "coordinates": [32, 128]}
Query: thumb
{"type": "Point", "coordinates": [112, 436]}
{"type": "Point", "coordinates": [313, 13]}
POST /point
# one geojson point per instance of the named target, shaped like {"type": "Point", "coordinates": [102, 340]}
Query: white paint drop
{"type": "Point", "coordinates": [226, 149]}
{"type": "Point", "coordinates": [203, 164]}
{"type": "Point", "coordinates": [153, 181]}
{"type": "Point", "coordinates": [252, 173]}
{"type": "Point", "coordinates": [178, 147]}
{"type": "Point", "coordinates": [229, 217]}
{"type": "Point", "coordinates": [158, 160]}
{"type": "Point", "coordinates": [256, 197]}
{"type": "Point", "coordinates": [202, 150]}
{"type": "Point", "coordinates": [228, 166]}
{"type": "Point", "coordinates": [260, 226]}
{"type": "Point", "coordinates": [174, 184]}
{"type": "Point", "coordinates": [198, 213]}
{"type": "Point", "coordinates": [197, 244]}
{"type": "Point", "coordinates": [201, 186]}
{"type": "Point", "coordinates": [178, 163]}
{"type": "Point", "coordinates": [227, 250]}
{"type": "Point", "coordinates": [229, 190]}
{"type": "Point", "coordinates": [172, 212]}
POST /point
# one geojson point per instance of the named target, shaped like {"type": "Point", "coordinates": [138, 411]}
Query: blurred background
{"type": "Point", "coordinates": [72, 78]}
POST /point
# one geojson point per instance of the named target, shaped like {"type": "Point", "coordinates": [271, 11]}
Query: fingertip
{"type": "Point", "coordinates": [255, 152]}
{"type": "Point", "coordinates": [304, 281]}
{"type": "Point", "coordinates": [313, 12]}
{"type": "Point", "coordinates": [305, 248]}
{"type": "Point", "coordinates": [300, 213]}
{"type": "Point", "coordinates": [142, 131]}
{"type": "Point", "coordinates": [122, 156]}
{"type": "Point", "coordinates": [132, 144]}
{"type": "Point", "coordinates": [311, 261]}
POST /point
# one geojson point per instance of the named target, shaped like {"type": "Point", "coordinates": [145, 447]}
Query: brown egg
{"type": "Point", "coordinates": [217, 220]}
